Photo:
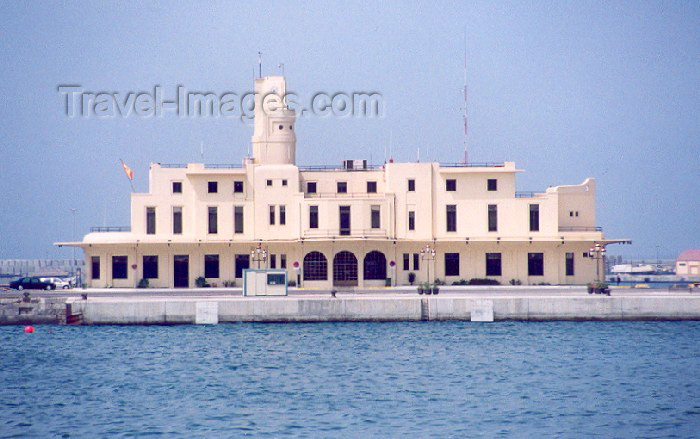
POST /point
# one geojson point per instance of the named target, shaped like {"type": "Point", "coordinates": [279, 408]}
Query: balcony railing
{"type": "Point", "coordinates": [111, 229]}
{"type": "Point", "coordinates": [344, 195]}
{"type": "Point", "coordinates": [352, 233]}
{"type": "Point", "coordinates": [527, 194]}
{"type": "Point", "coordinates": [580, 229]}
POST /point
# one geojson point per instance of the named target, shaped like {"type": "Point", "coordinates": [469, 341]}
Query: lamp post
{"type": "Point", "coordinates": [73, 210]}
{"type": "Point", "coordinates": [258, 254]}
{"type": "Point", "coordinates": [597, 252]}
{"type": "Point", "coordinates": [427, 254]}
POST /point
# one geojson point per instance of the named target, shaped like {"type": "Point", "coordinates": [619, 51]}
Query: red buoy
{"type": "Point", "coordinates": [29, 330]}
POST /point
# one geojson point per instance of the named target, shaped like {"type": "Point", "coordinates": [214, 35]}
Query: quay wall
{"type": "Point", "coordinates": [413, 308]}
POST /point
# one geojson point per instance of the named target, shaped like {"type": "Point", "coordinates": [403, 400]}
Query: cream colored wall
{"type": "Point", "coordinates": [688, 268]}
{"type": "Point", "coordinates": [472, 261]}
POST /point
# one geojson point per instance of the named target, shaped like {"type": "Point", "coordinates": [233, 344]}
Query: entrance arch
{"type": "Point", "coordinates": [345, 269]}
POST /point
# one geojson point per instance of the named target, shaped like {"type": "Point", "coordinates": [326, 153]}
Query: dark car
{"type": "Point", "coordinates": [32, 283]}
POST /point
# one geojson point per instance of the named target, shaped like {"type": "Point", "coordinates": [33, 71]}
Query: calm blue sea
{"type": "Point", "coordinates": [353, 380]}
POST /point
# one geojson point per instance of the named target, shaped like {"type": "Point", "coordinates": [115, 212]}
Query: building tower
{"type": "Point", "coordinates": [274, 141]}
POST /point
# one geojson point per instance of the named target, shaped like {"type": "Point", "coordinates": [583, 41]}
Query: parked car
{"type": "Point", "coordinates": [32, 283]}
{"type": "Point", "coordinates": [63, 284]}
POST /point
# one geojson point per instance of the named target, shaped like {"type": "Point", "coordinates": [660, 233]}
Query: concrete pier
{"type": "Point", "coordinates": [382, 308]}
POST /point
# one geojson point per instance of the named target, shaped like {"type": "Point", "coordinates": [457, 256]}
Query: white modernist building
{"type": "Point", "coordinates": [345, 226]}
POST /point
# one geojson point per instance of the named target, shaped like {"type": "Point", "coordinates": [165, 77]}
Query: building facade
{"type": "Point", "coordinates": [345, 226]}
{"type": "Point", "coordinates": [688, 263]}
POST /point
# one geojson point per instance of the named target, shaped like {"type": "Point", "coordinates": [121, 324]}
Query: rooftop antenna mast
{"type": "Point", "coordinates": [259, 64]}
{"type": "Point", "coordinates": [464, 114]}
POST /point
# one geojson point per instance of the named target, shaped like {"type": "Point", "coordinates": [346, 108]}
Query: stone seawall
{"type": "Point", "coordinates": [377, 308]}
{"type": "Point", "coordinates": [35, 311]}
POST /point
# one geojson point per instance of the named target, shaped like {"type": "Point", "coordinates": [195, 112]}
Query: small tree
{"type": "Point", "coordinates": [411, 277]}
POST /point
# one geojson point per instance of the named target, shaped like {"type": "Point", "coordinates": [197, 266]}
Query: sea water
{"type": "Point", "coordinates": [431, 379]}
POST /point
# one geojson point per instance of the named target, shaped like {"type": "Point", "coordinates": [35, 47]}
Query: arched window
{"type": "Point", "coordinates": [315, 266]}
{"type": "Point", "coordinates": [375, 266]}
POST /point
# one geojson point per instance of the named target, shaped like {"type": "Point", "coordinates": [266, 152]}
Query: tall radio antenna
{"type": "Point", "coordinates": [259, 64]}
{"type": "Point", "coordinates": [464, 114]}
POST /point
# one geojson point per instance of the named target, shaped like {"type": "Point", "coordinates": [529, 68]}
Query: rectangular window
{"type": "Point", "coordinates": [344, 223]}
{"type": "Point", "coordinates": [213, 187]}
{"type": "Point", "coordinates": [242, 263]}
{"type": "Point", "coordinates": [313, 217]}
{"type": "Point", "coordinates": [284, 182]}
{"type": "Point", "coordinates": [177, 220]}
{"type": "Point", "coordinates": [492, 184]}
{"type": "Point", "coordinates": [451, 185]}
{"type": "Point", "coordinates": [211, 266]}
{"type": "Point", "coordinates": [119, 267]}
{"type": "Point", "coordinates": [273, 261]}
{"type": "Point", "coordinates": [95, 267]}
{"type": "Point", "coordinates": [451, 212]}
{"type": "Point", "coordinates": [406, 262]}
{"type": "Point", "coordinates": [416, 261]}
{"type": "Point", "coordinates": [493, 218]}
{"type": "Point", "coordinates": [451, 264]}
{"type": "Point", "coordinates": [534, 217]}
{"type": "Point", "coordinates": [150, 267]}
{"type": "Point", "coordinates": [150, 220]}
{"type": "Point", "coordinates": [493, 264]}
{"type": "Point", "coordinates": [411, 185]}
{"type": "Point", "coordinates": [238, 219]}
{"type": "Point", "coordinates": [275, 279]}
{"type": "Point", "coordinates": [535, 264]}
{"type": "Point", "coordinates": [283, 261]}
{"type": "Point", "coordinates": [371, 187]}
{"type": "Point", "coordinates": [569, 264]}
{"type": "Point", "coordinates": [272, 215]}
{"type": "Point", "coordinates": [177, 187]}
{"type": "Point", "coordinates": [342, 187]}
{"type": "Point", "coordinates": [283, 215]}
{"type": "Point", "coordinates": [268, 182]}
{"type": "Point", "coordinates": [213, 220]}
{"type": "Point", "coordinates": [237, 187]}
{"type": "Point", "coordinates": [411, 220]}
{"type": "Point", "coordinates": [311, 187]}
{"type": "Point", "coordinates": [376, 217]}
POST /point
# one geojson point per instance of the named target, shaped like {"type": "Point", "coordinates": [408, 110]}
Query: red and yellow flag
{"type": "Point", "coordinates": [129, 172]}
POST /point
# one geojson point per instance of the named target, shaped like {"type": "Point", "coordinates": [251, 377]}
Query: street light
{"type": "Point", "coordinates": [427, 254]}
{"type": "Point", "coordinates": [259, 254]}
{"type": "Point", "coordinates": [73, 210]}
{"type": "Point", "coordinates": [597, 252]}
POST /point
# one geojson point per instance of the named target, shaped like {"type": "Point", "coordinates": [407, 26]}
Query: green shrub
{"type": "Point", "coordinates": [200, 282]}
{"type": "Point", "coordinates": [143, 283]}
{"type": "Point", "coordinates": [461, 282]}
{"type": "Point", "coordinates": [411, 277]}
{"type": "Point", "coordinates": [476, 281]}
{"type": "Point", "coordinates": [515, 282]}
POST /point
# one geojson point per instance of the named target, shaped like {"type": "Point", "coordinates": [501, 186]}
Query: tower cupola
{"type": "Point", "coordinates": [274, 141]}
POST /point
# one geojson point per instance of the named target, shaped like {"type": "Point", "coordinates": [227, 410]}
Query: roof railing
{"type": "Point", "coordinates": [527, 194]}
{"type": "Point", "coordinates": [580, 229]}
{"type": "Point", "coordinates": [173, 165]}
{"type": "Point", "coordinates": [473, 165]}
{"type": "Point", "coordinates": [110, 229]}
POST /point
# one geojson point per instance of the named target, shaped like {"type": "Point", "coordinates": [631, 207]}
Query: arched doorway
{"type": "Point", "coordinates": [375, 266]}
{"type": "Point", "coordinates": [345, 269]}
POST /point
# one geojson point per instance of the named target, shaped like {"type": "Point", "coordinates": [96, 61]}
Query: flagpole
{"type": "Point", "coordinates": [131, 183]}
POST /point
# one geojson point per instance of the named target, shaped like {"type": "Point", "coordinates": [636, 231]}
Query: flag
{"type": "Point", "coordinates": [129, 172]}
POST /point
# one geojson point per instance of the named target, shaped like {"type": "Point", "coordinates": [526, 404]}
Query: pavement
{"type": "Point", "coordinates": [457, 291]}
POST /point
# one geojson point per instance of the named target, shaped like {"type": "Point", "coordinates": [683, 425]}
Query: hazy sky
{"type": "Point", "coordinates": [567, 90]}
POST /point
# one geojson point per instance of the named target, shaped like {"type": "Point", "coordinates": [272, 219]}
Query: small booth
{"type": "Point", "coordinates": [265, 282]}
